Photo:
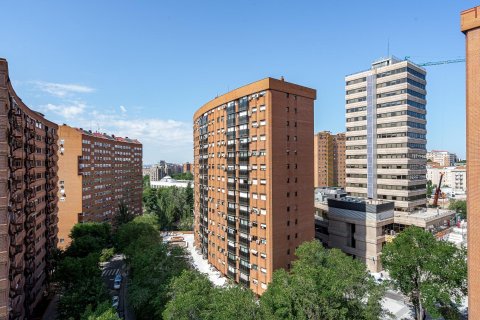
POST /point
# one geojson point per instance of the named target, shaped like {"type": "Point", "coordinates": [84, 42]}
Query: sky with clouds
{"type": "Point", "coordinates": [141, 69]}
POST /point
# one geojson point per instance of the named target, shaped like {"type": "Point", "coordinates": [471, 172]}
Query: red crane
{"type": "Point", "coordinates": [437, 191]}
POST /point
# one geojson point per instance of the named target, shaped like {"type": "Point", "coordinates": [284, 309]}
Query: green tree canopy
{"type": "Point", "coordinates": [433, 274]}
{"type": "Point", "coordinates": [459, 206]}
{"type": "Point", "coordinates": [103, 312]}
{"type": "Point", "coordinates": [88, 238]}
{"type": "Point", "coordinates": [323, 284]}
{"type": "Point", "coordinates": [194, 297]}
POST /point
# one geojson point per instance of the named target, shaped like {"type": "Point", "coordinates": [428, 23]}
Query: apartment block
{"type": "Point", "coordinates": [186, 167]}
{"type": "Point", "coordinates": [443, 158]}
{"type": "Point", "coordinates": [386, 133]}
{"type": "Point", "coordinates": [453, 177]}
{"type": "Point", "coordinates": [470, 26]}
{"type": "Point", "coordinates": [28, 201]}
{"type": "Point", "coordinates": [329, 159]}
{"type": "Point", "coordinates": [96, 173]}
{"type": "Point", "coordinates": [254, 179]}
{"type": "Point", "coordinates": [162, 169]}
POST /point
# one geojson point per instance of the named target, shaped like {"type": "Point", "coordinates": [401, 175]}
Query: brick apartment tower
{"type": "Point", "coordinates": [28, 201]}
{"type": "Point", "coordinates": [386, 133]}
{"type": "Point", "coordinates": [96, 173]}
{"type": "Point", "coordinates": [470, 26]}
{"type": "Point", "coordinates": [329, 159]}
{"type": "Point", "coordinates": [254, 179]}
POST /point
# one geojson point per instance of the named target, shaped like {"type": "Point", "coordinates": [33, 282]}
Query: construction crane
{"type": "Point", "coordinates": [437, 191]}
{"type": "Point", "coordinates": [435, 63]}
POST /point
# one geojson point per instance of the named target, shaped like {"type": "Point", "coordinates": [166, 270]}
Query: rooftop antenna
{"type": "Point", "coordinates": [388, 47]}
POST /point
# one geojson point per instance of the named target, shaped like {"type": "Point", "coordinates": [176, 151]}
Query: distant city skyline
{"type": "Point", "coordinates": [142, 70]}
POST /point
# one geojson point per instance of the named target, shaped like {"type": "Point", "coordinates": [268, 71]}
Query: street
{"type": "Point", "coordinates": [109, 270]}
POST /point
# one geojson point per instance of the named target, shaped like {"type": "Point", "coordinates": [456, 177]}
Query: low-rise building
{"type": "Point", "coordinates": [146, 169]}
{"type": "Point", "coordinates": [444, 158]}
{"type": "Point", "coordinates": [453, 177]}
{"type": "Point", "coordinates": [360, 227]}
{"type": "Point", "coordinates": [168, 181]}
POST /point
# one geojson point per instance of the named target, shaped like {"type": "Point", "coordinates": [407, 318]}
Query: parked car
{"type": "Point", "coordinates": [115, 301]}
{"type": "Point", "coordinates": [117, 282]}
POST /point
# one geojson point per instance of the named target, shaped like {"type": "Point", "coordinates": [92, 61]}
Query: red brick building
{"type": "Point", "coordinates": [254, 179]}
{"type": "Point", "coordinates": [96, 173]}
{"type": "Point", "coordinates": [28, 202]}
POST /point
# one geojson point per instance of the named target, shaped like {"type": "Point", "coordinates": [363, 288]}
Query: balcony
{"type": "Point", "coordinates": [232, 250]}
{"type": "Point", "coordinates": [30, 164]}
{"type": "Point", "coordinates": [31, 177]}
{"type": "Point", "coordinates": [245, 282]}
{"type": "Point", "coordinates": [231, 237]}
{"type": "Point", "coordinates": [232, 211]}
{"type": "Point", "coordinates": [243, 133]}
{"type": "Point", "coordinates": [244, 228]}
{"type": "Point", "coordinates": [15, 143]}
{"type": "Point", "coordinates": [245, 269]}
{"type": "Point", "coordinates": [16, 228]}
{"type": "Point", "coordinates": [244, 214]}
{"type": "Point", "coordinates": [30, 193]}
{"type": "Point", "coordinates": [232, 198]}
{"type": "Point", "coordinates": [243, 147]}
{"type": "Point", "coordinates": [244, 241]}
{"type": "Point", "coordinates": [232, 261]}
{"type": "Point", "coordinates": [232, 224]}
{"type": "Point", "coordinates": [243, 187]}
{"type": "Point", "coordinates": [232, 275]}
{"type": "Point", "coordinates": [231, 185]}
{"type": "Point", "coordinates": [31, 207]}
{"type": "Point", "coordinates": [243, 120]}
{"type": "Point", "coordinates": [14, 250]}
{"type": "Point", "coordinates": [245, 255]}
{"type": "Point", "coordinates": [244, 201]}
{"type": "Point", "coordinates": [243, 173]}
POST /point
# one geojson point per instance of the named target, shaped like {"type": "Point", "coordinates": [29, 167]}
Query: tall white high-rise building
{"type": "Point", "coordinates": [386, 133]}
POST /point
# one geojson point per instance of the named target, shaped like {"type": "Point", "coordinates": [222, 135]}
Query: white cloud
{"type": "Point", "coordinates": [62, 89]}
{"type": "Point", "coordinates": [123, 109]}
{"type": "Point", "coordinates": [68, 111]}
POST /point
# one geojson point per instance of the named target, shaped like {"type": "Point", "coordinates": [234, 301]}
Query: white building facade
{"type": "Point", "coordinates": [386, 133]}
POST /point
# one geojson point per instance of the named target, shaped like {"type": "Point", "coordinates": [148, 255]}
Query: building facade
{"type": "Point", "coordinates": [187, 167]}
{"type": "Point", "coordinates": [453, 177]}
{"type": "Point", "coordinates": [28, 193]}
{"type": "Point", "coordinates": [386, 133]}
{"type": "Point", "coordinates": [360, 227]}
{"type": "Point", "coordinates": [470, 26]}
{"type": "Point", "coordinates": [162, 169]}
{"type": "Point", "coordinates": [443, 158]}
{"type": "Point", "coordinates": [168, 181]}
{"type": "Point", "coordinates": [96, 173]}
{"type": "Point", "coordinates": [329, 159]}
{"type": "Point", "coordinates": [254, 179]}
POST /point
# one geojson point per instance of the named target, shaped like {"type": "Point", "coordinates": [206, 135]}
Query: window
{"type": "Point", "coordinates": [262, 108]}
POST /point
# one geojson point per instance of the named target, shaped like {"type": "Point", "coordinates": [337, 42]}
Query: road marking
{"type": "Point", "coordinates": [110, 272]}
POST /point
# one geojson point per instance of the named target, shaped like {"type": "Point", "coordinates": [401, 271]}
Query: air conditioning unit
{"type": "Point", "coordinates": [258, 241]}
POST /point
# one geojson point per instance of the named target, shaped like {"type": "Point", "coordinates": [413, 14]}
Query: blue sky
{"type": "Point", "coordinates": [142, 68]}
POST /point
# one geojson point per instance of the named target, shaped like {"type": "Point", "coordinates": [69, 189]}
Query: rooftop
{"type": "Point", "coordinates": [106, 136]}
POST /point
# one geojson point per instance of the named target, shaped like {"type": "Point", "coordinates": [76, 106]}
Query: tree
{"type": "Point", "coordinates": [323, 284]}
{"type": "Point", "coordinates": [123, 215]}
{"type": "Point", "coordinates": [192, 296]}
{"type": "Point", "coordinates": [88, 238]}
{"type": "Point", "coordinates": [82, 285]}
{"type": "Point", "coordinates": [153, 264]}
{"type": "Point", "coordinates": [146, 181]}
{"type": "Point", "coordinates": [433, 274]}
{"type": "Point", "coordinates": [183, 176]}
{"type": "Point", "coordinates": [104, 311]}
{"type": "Point", "coordinates": [429, 188]}
{"type": "Point", "coordinates": [459, 206]}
